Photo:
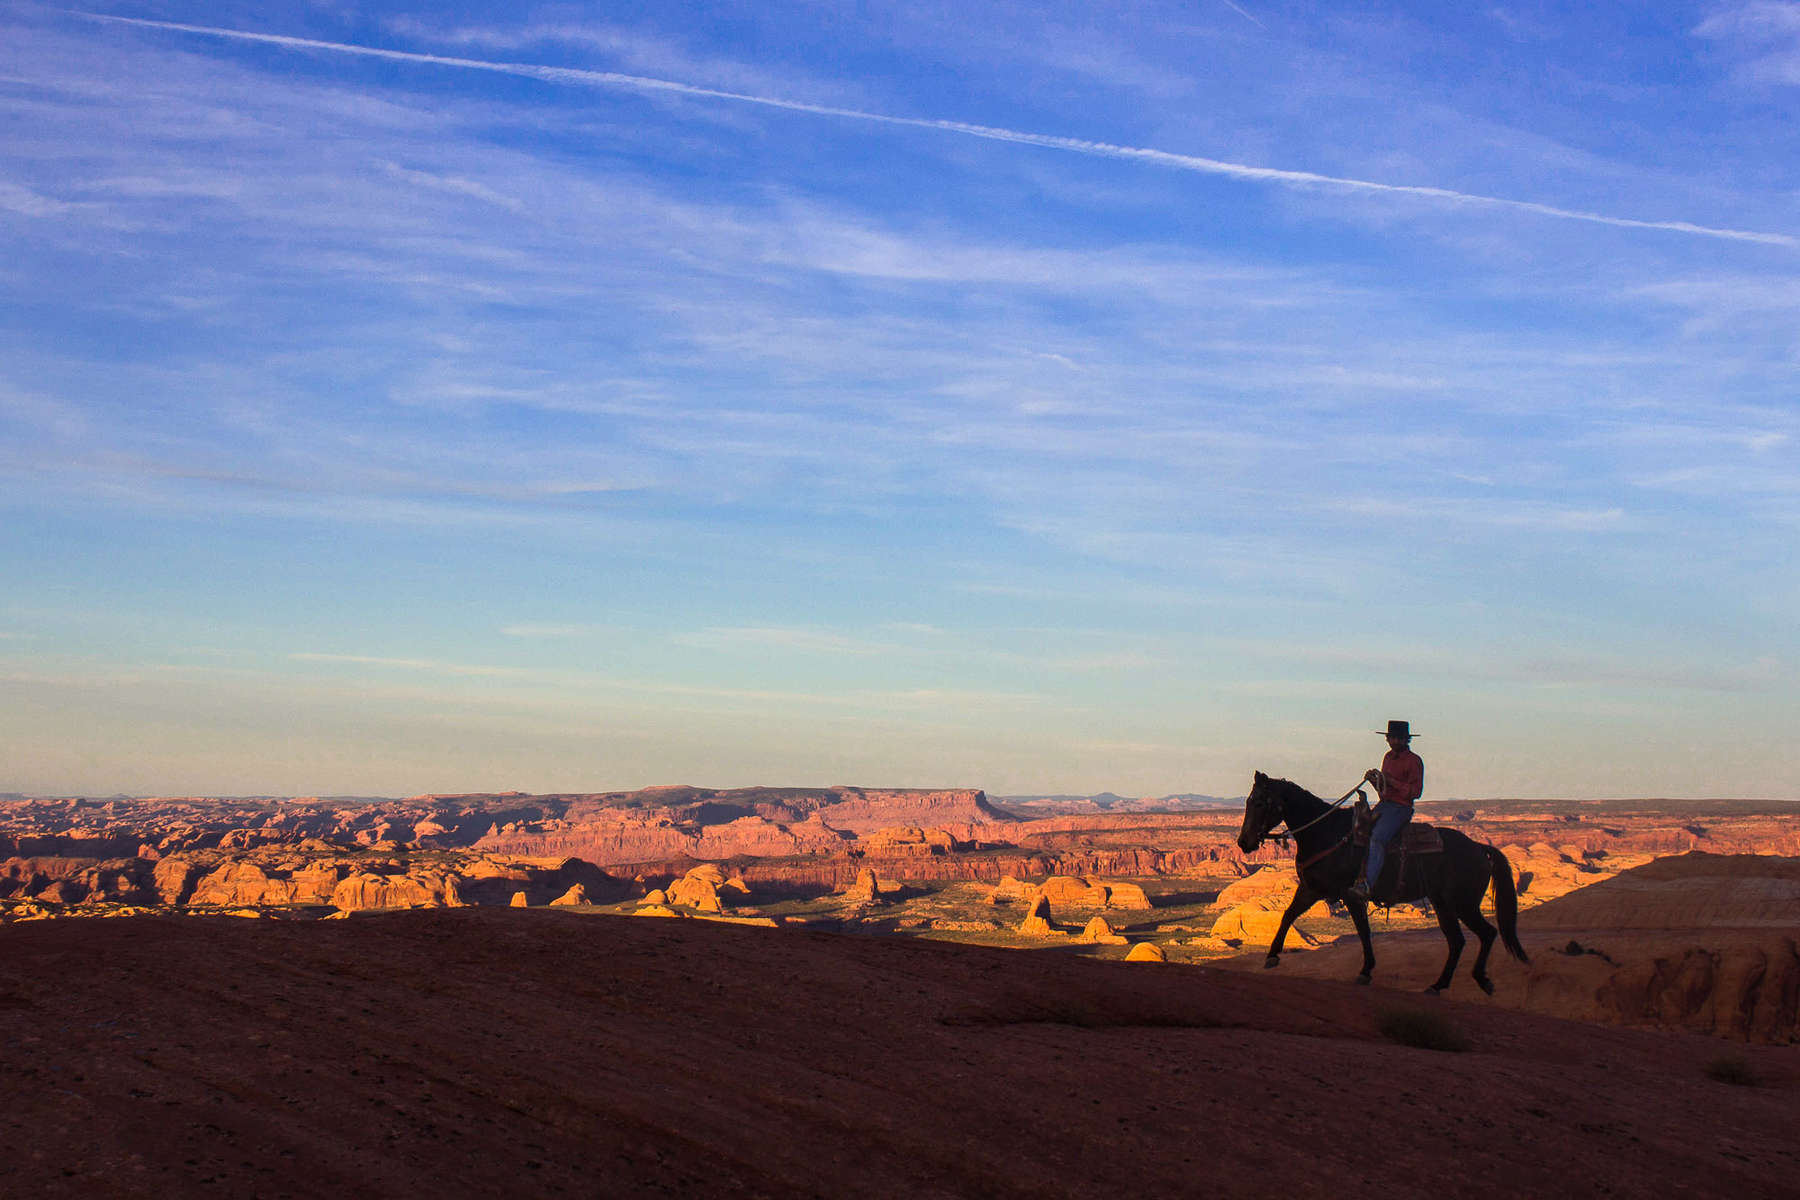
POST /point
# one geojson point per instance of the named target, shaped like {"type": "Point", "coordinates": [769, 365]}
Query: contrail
{"type": "Point", "coordinates": [576, 76]}
{"type": "Point", "coordinates": [1242, 12]}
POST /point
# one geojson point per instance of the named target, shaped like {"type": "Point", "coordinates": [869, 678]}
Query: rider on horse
{"type": "Point", "coordinates": [1399, 781]}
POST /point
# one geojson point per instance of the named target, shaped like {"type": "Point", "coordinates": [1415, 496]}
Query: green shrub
{"type": "Point", "coordinates": [1421, 1030]}
{"type": "Point", "coordinates": [1731, 1068]}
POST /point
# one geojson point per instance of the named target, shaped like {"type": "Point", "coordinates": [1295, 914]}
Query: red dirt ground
{"type": "Point", "coordinates": [483, 1052]}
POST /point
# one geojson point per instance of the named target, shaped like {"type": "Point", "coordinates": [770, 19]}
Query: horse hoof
{"type": "Point", "coordinates": [1485, 984]}
{"type": "Point", "coordinates": [1433, 990]}
{"type": "Point", "coordinates": [1274, 960]}
{"type": "Point", "coordinates": [1363, 979]}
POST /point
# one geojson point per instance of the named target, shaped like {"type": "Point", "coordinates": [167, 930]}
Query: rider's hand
{"type": "Point", "coordinates": [1373, 776]}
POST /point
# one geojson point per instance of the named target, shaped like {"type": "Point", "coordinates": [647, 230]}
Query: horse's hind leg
{"type": "Point", "coordinates": [1471, 916]}
{"type": "Point", "coordinates": [1453, 935]}
{"type": "Point", "coordinates": [1304, 898]}
{"type": "Point", "coordinates": [1359, 914]}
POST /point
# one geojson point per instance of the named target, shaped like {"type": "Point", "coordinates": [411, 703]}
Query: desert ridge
{"type": "Point", "coordinates": [498, 1051]}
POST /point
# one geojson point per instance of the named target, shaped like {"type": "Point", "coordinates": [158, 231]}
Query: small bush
{"type": "Point", "coordinates": [1421, 1030]}
{"type": "Point", "coordinates": [1730, 1068]}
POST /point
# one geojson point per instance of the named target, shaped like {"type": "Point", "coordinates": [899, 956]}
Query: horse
{"type": "Point", "coordinates": [1328, 862]}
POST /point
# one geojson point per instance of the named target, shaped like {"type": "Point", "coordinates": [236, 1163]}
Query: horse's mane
{"type": "Point", "coordinates": [1290, 786]}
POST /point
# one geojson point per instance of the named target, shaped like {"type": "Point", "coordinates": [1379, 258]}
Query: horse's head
{"type": "Point", "coordinates": [1263, 811]}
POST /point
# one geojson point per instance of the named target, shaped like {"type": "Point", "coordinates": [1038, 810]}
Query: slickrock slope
{"type": "Point", "coordinates": [1690, 891]}
{"type": "Point", "coordinates": [1700, 942]}
{"type": "Point", "coordinates": [487, 1052]}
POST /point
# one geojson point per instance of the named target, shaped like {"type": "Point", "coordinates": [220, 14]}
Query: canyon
{"type": "Point", "coordinates": [266, 852]}
{"type": "Point", "coordinates": [946, 864]}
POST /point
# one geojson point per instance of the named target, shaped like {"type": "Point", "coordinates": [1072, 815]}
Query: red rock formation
{"type": "Point", "coordinates": [699, 889]}
{"type": "Point", "coordinates": [1098, 933]}
{"type": "Point", "coordinates": [866, 889]}
{"type": "Point", "coordinates": [1067, 891]}
{"type": "Point", "coordinates": [1037, 921]}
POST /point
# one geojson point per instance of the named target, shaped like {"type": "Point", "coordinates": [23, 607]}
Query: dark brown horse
{"type": "Point", "coordinates": [1328, 862]}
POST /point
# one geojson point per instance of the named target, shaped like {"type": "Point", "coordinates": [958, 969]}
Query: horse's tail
{"type": "Point", "coordinates": [1506, 904]}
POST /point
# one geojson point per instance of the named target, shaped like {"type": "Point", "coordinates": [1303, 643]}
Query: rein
{"type": "Point", "coordinates": [1329, 809]}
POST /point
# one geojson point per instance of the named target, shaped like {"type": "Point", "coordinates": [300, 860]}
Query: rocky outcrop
{"type": "Point", "coordinates": [1268, 887]}
{"type": "Point", "coordinates": [1748, 992]}
{"type": "Point", "coordinates": [280, 884]}
{"type": "Point", "coordinates": [1147, 952]}
{"type": "Point", "coordinates": [426, 889]}
{"type": "Point", "coordinates": [868, 889]}
{"type": "Point", "coordinates": [1252, 908]}
{"type": "Point", "coordinates": [1071, 892]}
{"type": "Point", "coordinates": [705, 888]}
{"type": "Point", "coordinates": [1037, 921]}
{"type": "Point", "coordinates": [1010, 891]}
{"type": "Point", "coordinates": [1067, 892]}
{"type": "Point", "coordinates": [1098, 933]}
{"type": "Point", "coordinates": [1257, 926]}
{"type": "Point", "coordinates": [909, 840]}
{"type": "Point", "coordinates": [1128, 896]}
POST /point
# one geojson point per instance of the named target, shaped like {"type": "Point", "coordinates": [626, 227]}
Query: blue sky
{"type": "Point", "coordinates": [1048, 397]}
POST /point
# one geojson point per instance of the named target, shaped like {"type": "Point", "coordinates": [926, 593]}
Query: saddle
{"type": "Point", "coordinates": [1415, 841]}
{"type": "Point", "coordinates": [1414, 838]}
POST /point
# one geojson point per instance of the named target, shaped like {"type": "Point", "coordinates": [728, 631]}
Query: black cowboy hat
{"type": "Point", "coordinates": [1399, 729]}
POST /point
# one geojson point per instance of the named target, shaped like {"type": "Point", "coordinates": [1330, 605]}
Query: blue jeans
{"type": "Point", "coordinates": [1389, 820]}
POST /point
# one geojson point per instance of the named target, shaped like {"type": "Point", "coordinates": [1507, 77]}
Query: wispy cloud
{"type": "Point", "coordinates": [1186, 162]}
{"type": "Point", "coordinates": [461, 187]}
{"type": "Point", "coordinates": [1516, 514]}
{"type": "Point", "coordinates": [808, 641]}
{"type": "Point", "coordinates": [1766, 32]}
{"type": "Point", "coordinates": [17, 198]}
{"type": "Point", "coordinates": [415, 664]}
{"type": "Point", "coordinates": [634, 49]}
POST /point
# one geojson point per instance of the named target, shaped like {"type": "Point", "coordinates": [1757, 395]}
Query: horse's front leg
{"type": "Point", "coordinates": [1359, 915]}
{"type": "Point", "coordinates": [1304, 898]}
